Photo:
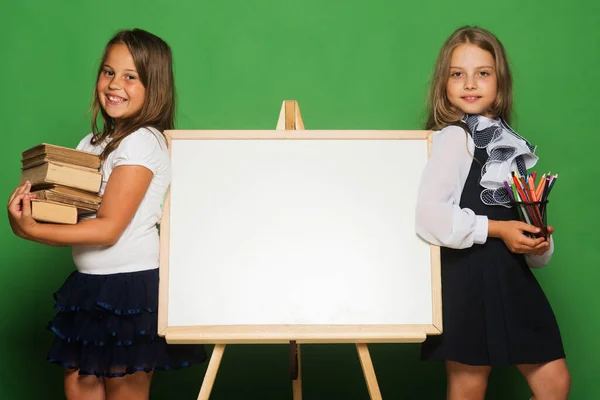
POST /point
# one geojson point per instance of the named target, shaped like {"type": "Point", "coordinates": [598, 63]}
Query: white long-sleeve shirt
{"type": "Point", "coordinates": [439, 218]}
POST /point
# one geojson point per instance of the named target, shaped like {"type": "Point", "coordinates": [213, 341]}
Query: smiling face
{"type": "Point", "coordinates": [120, 91]}
{"type": "Point", "coordinates": [472, 85]}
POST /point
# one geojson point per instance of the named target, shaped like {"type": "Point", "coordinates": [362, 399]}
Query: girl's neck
{"type": "Point", "coordinates": [488, 117]}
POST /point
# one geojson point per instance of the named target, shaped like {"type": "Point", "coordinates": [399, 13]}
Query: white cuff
{"type": "Point", "coordinates": [481, 230]}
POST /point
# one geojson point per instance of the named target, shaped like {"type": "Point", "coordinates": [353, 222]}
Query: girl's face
{"type": "Point", "coordinates": [120, 91]}
{"type": "Point", "coordinates": [472, 85]}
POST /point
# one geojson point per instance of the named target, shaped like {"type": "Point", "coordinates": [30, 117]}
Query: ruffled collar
{"type": "Point", "coordinates": [507, 151]}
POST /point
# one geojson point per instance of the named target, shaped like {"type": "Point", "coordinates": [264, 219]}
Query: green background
{"type": "Point", "coordinates": [351, 65]}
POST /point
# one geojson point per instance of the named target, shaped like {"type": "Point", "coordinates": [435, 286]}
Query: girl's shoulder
{"type": "Point", "coordinates": [146, 147]}
{"type": "Point", "coordinates": [145, 137]}
{"type": "Point", "coordinates": [452, 139]}
{"type": "Point", "coordinates": [85, 144]}
{"type": "Point", "coordinates": [450, 132]}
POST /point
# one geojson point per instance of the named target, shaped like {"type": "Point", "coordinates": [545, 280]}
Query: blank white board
{"type": "Point", "coordinates": [269, 236]}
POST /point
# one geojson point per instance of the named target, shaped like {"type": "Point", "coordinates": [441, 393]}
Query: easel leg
{"type": "Point", "coordinates": [211, 372]}
{"type": "Point", "coordinates": [296, 370]}
{"type": "Point", "coordinates": [368, 371]}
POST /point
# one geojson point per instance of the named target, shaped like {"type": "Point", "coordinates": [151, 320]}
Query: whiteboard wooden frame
{"type": "Point", "coordinates": [231, 334]}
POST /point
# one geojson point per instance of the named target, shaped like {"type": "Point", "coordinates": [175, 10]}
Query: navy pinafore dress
{"type": "Point", "coordinates": [494, 310]}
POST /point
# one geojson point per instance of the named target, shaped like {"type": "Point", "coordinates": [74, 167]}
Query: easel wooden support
{"type": "Point", "coordinates": [290, 119]}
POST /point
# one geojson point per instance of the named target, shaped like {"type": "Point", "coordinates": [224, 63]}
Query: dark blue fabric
{"type": "Point", "coordinates": [494, 310]}
{"type": "Point", "coordinates": [106, 325]}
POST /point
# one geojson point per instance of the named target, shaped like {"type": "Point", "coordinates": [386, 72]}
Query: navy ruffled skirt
{"type": "Point", "coordinates": [106, 326]}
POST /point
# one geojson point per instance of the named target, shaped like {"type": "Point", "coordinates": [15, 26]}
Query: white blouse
{"type": "Point", "coordinates": [439, 218]}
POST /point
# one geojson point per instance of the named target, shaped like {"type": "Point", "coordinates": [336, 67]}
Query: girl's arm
{"type": "Point", "coordinates": [124, 192]}
{"type": "Point", "coordinates": [539, 260]}
{"type": "Point", "coordinates": [439, 218]}
{"type": "Point", "coordinates": [512, 233]}
{"type": "Point", "coordinates": [13, 224]}
{"type": "Point", "coordinates": [22, 234]}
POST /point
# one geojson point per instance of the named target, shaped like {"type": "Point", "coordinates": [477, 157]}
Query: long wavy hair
{"type": "Point", "coordinates": [441, 112]}
{"type": "Point", "coordinates": [154, 63]}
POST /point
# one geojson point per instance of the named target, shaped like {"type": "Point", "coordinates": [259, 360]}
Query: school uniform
{"type": "Point", "coordinates": [494, 311]}
{"type": "Point", "coordinates": [106, 323]}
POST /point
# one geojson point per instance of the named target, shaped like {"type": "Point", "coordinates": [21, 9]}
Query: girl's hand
{"type": "Point", "coordinates": [513, 235]}
{"type": "Point", "coordinates": [545, 245]}
{"type": "Point", "coordinates": [19, 210]}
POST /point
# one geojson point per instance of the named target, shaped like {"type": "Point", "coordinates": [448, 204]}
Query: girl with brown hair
{"type": "Point", "coordinates": [106, 325]}
{"type": "Point", "coordinates": [494, 311]}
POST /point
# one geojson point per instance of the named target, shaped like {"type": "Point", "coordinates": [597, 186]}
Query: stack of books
{"type": "Point", "coordinates": [66, 182]}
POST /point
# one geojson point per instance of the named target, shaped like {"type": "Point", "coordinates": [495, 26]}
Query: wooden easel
{"type": "Point", "coordinates": [290, 119]}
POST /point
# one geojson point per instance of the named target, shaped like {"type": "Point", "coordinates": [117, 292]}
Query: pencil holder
{"type": "Point", "coordinates": [534, 213]}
